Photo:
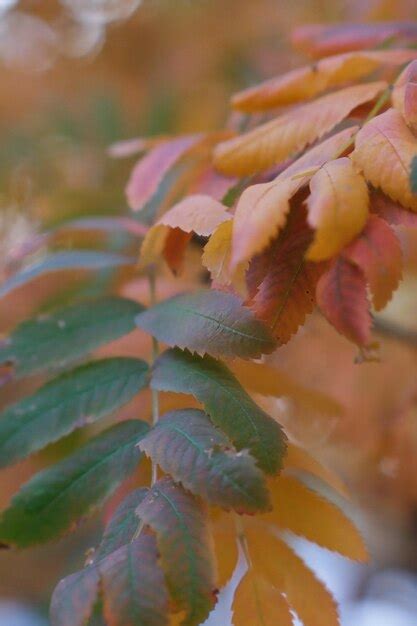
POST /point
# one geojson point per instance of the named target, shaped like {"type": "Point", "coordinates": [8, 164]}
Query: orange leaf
{"type": "Point", "coordinates": [404, 95]}
{"type": "Point", "coordinates": [341, 296]}
{"type": "Point", "coordinates": [377, 252]}
{"type": "Point", "coordinates": [281, 282]}
{"type": "Point", "coordinates": [262, 209]}
{"type": "Point", "coordinates": [384, 149]}
{"type": "Point", "coordinates": [282, 568]}
{"type": "Point", "coordinates": [306, 513]}
{"type": "Point", "coordinates": [225, 547]}
{"type": "Point", "coordinates": [199, 214]}
{"type": "Point", "coordinates": [258, 603]}
{"type": "Point", "coordinates": [299, 459]}
{"type": "Point", "coordinates": [275, 141]}
{"type": "Point", "coordinates": [337, 208]}
{"type": "Point", "coordinates": [306, 82]}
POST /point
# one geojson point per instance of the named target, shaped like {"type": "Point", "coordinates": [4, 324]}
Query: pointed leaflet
{"type": "Point", "coordinates": [307, 82]}
{"type": "Point", "coordinates": [56, 340]}
{"type": "Point", "coordinates": [299, 460]}
{"type": "Point", "coordinates": [198, 213]}
{"type": "Point", "coordinates": [377, 252]}
{"type": "Point", "coordinates": [61, 261]}
{"type": "Point", "coordinates": [149, 172]}
{"type": "Point", "coordinates": [258, 603]}
{"type": "Point", "coordinates": [129, 583]}
{"type": "Point", "coordinates": [306, 513]}
{"type": "Point", "coordinates": [209, 322]}
{"type": "Point", "coordinates": [229, 406]}
{"type": "Point", "coordinates": [404, 95]}
{"type": "Point", "coordinates": [262, 209]}
{"type": "Point", "coordinates": [53, 500]}
{"type": "Point", "coordinates": [341, 296]}
{"type": "Point", "coordinates": [281, 283]}
{"type": "Point", "coordinates": [185, 546]}
{"type": "Point", "coordinates": [187, 446]}
{"type": "Point", "coordinates": [217, 252]}
{"type": "Point", "coordinates": [276, 562]}
{"type": "Point", "coordinates": [337, 208]}
{"type": "Point", "coordinates": [70, 401]}
{"type": "Point", "coordinates": [384, 149]}
{"type": "Point", "coordinates": [275, 141]}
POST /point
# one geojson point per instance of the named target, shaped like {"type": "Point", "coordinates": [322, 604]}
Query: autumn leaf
{"type": "Point", "coordinates": [404, 95]}
{"type": "Point", "coordinates": [337, 208]}
{"type": "Point", "coordinates": [341, 296]}
{"type": "Point", "coordinates": [307, 82]}
{"type": "Point", "coordinates": [299, 460]}
{"type": "Point", "coordinates": [384, 149]}
{"type": "Point", "coordinates": [275, 141]}
{"type": "Point", "coordinates": [223, 529]}
{"type": "Point", "coordinates": [258, 603]}
{"type": "Point", "coordinates": [390, 211]}
{"type": "Point", "coordinates": [194, 214]}
{"type": "Point", "coordinates": [377, 252]}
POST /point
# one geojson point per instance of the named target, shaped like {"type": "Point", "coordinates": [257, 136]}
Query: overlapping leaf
{"type": "Point", "coordinates": [275, 141]}
{"type": "Point", "coordinates": [56, 340]}
{"type": "Point", "coordinates": [75, 597]}
{"type": "Point", "coordinates": [53, 500]}
{"type": "Point", "coordinates": [184, 543]}
{"type": "Point", "coordinates": [209, 322]}
{"type": "Point", "coordinates": [64, 261]}
{"type": "Point", "coordinates": [229, 406]}
{"type": "Point", "coordinates": [258, 603]}
{"type": "Point", "coordinates": [384, 150]}
{"type": "Point", "coordinates": [188, 447]}
{"type": "Point", "coordinates": [307, 82]}
{"type": "Point", "coordinates": [281, 283]}
{"type": "Point", "coordinates": [404, 95]}
{"type": "Point", "coordinates": [341, 296]}
{"type": "Point", "coordinates": [392, 212]}
{"type": "Point", "coordinates": [337, 207]}
{"type": "Point", "coordinates": [70, 401]}
{"type": "Point", "coordinates": [377, 252]}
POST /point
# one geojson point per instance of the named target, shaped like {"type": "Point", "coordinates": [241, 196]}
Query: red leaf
{"type": "Point", "coordinates": [377, 252]}
{"type": "Point", "coordinates": [341, 296]}
{"type": "Point", "coordinates": [391, 211]}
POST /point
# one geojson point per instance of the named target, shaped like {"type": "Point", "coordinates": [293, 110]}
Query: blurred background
{"type": "Point", "coordinates": [77, 75]}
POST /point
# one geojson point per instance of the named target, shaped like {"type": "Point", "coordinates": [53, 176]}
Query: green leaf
{"type": "Point", "coordinates": [229, 406]}
{"type": "Point", "coordinates": [210, 322]}
{"type": "Point", "coordinates": [54, 341]}
{"type": "Point", "coordinates": [122, 526]}
{"type": "Point", "coordinates": [413, 176]}
{"type": "Point", "coordinates": [187, 446]}
{"type": "Point", "coordinates": [70, 401]}
{"type": "Point", "coordinates": [60, 261]}
{"type": "Point", "coordinates": [181, 528]}
{"type": "Point", "coordinates": [53, 500]}
{"type": "Point", "coordinates": [128, 582]}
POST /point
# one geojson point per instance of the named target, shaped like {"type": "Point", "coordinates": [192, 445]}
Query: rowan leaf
{"type": "Point", "coordinates": [184, 544]}
{"type": "Point", "coordinates": [299, 460]}
{"type": "Point", "coordinates": [54, 499]}
{"type": "Point", "coordinates": [213, 184]}
{"type": "Point", "coordinates": [194, 214]}
{"type": "Point", "coordinates": [64, 261]}
{"type": "Point", "coordinates": [74, 598]}
{"type": "Point", "coordinates": [258, 603]}
{"type": "Point", "coordinates": [304, 512]}
{"type": "Point", "coordinates": [392, 212]}
{"type": "Point", "coordinates": [229, 406]}
{"type": "Point", "coordinates": [273, 560]}
{"type": "Point", "coordinates": [70, 401]}
{"type": "Point", "coordinates": [341, 296]}
{"type": "Point", "coordinates": [281, 283]}
{"type": "Point", "coordinates": [223, 529]}
{"type": "Point", "coordinates": [217, 254]}
{"type": "Point", "coordinates": [377, 252]}
{"type": "Point", "coordinates": [384, 150]}
{"type": "Point", "coordinates": [262, 209]}
{"type": "Point", "coordinates": [186, 445]}
{"type": "Point", "coordinates": [209, 322]}
{"type": "Point", "coordinates": [307, 82]}
{"type": "Point", "coordinates": [149, 172]}
{"type": "Point", "coordinates": [338, 208]}
{"type": "Point", "coordinates": [56, 340]}
{"type": "Point", "coordinates": [404, 95]}
{"type": "Point", "coordinates": [275, 141]}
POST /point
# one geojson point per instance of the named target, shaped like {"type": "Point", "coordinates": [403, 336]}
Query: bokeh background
{"type": "Point", "coordinates": [77, 75]}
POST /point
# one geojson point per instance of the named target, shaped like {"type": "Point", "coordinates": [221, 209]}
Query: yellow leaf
{"type": "Point", "coordinates": [384, 149]}
{"type": "Point", "coordinates": [338, 208]}
{"type": "Point", "coordinates": [275, 141]}
{"type": "Point", "coordinates": [274, 560]}
{"type": "Point", "coordinates": [304, 512]}
{"type": "Point", "coordinates": [258, 603]}
{"type": "Point", "coordinates": [261, 210]}
{"type": "Point", "coordinates": [225, 546]}
{"type": "Point", "coordinates": [299, 459]}
{"type": "Point", "coordinates": [307, 82]}
{"type": "Point", "coordinates": [198, 213]}
{"type": "Point", "coordinates": [216, 258]}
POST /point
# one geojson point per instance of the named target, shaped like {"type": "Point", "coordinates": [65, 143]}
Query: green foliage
{"type": "Point", "coordinates": [413, 175]}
